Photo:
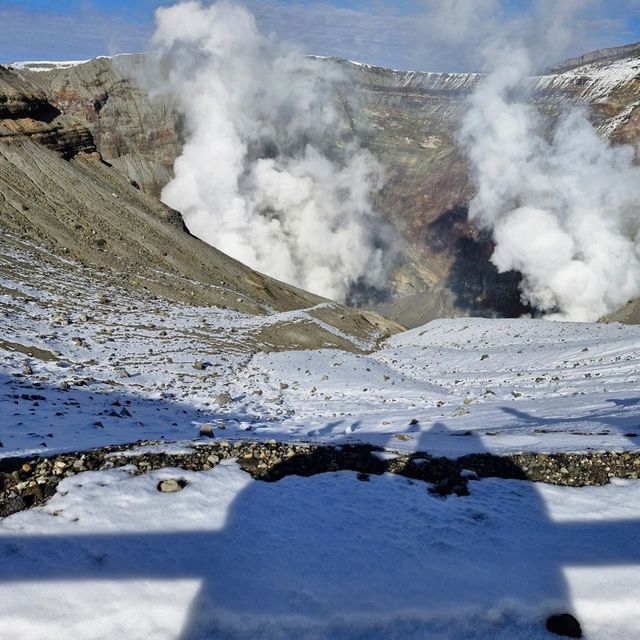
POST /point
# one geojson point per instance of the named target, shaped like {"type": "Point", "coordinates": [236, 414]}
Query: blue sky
{"type": "Point", "coordinates": [396, 34]}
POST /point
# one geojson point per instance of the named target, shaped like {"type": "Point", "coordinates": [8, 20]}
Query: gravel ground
{"type": "Point", "coordinates": [27, 482]}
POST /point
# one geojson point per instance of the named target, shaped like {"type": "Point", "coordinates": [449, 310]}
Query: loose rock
{"type": "Point", "coordinates": [170, 485]}
{"type": "Point", "coordinates": [223, 398]}
{"type": "Point", "coordinates": [564, 624]}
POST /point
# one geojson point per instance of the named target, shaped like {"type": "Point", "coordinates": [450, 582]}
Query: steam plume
{"type": "Point", "coordinates": [563, 207]}
{"type": "Point", "coordinates": [267, 174]}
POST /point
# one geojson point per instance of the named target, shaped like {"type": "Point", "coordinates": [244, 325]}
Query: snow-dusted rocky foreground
{"type": "Point", "coordinates": [328, 556]}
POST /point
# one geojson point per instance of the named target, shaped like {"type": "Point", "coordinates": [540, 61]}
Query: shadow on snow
{"type": "Point", "coordinates": [358, 562]}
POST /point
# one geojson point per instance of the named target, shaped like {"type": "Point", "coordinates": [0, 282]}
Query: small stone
{"type": "Point", "coordinates": [223, 398]}
{"type": "Point", "coordinates": [27, 370]}
{"type": "Point", "coordinates": [414, 421]}
{"type": "Point", "coordinates": [199, 365]}
{"type": "Point", "coordinates": [484, 356]}
{"type": "Point", "coordinates": [564, 624]}
{"type": "Point", "coordinates": [207, 431]}
{"type": "Point", "coordinates": [284, 385]}
{"type": "Point", "coordinates": [171, 485]}
{"type": "Point", "coordinates": [460, 411]}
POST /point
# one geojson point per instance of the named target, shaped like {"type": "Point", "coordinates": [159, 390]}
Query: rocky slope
{"type": "Point", "coordinates": [139, 135]}
{"type": "Point", "coordinates": [408, 120]}
{"type": "Point", "coordinates": [59, 194]}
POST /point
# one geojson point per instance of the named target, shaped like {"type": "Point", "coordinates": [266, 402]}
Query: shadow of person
{"type": "Point", "coordinates": [385, 559]}
{"type": "Point", "coordinates": [334, 557]}
{"type": "Point", "coordinates": [618, 414]}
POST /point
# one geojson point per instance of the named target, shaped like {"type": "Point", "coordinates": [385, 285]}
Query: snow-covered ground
{"type": "Point", "coordinates": [324, 557]}
{"type": "Point", "coordinates": [123, 369]}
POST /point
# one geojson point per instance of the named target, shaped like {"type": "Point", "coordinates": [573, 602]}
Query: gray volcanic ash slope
{"type": "Point", "coordinates": [408, 120]}
{"type": "Point", "coordinates": [57, 192]}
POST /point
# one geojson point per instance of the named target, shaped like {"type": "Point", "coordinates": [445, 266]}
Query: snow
{"type": "Point", "coordinates": [596, 83]}
{"type": "Point", "coordinates": [164, 396]}
{"type": "Point", "coordinates": [322, 557]}
{"type": "Point", "coordinates": [508, 385]}
{"type": "Point", "coordinates": [170, 448]}
{"type": "Point", "coordinates": [505, 385]}
{"type": "Point", "coordinates": [46, 65]}
{"type": "Point", "coordinates": [598, 79]}
{"type": "Point", "coordinates": [38, 66]}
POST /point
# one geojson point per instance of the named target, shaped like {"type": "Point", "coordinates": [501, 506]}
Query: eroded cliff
{"type": "Point", "coordinates": [58, 193]}
{"type": "Point", "coordinates": [409, 120]}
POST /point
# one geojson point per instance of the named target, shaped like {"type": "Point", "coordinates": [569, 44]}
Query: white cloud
{"type": "Point", "coordinates": [32, 35]}
{"type": "Point", "coordinates": [429, 35]}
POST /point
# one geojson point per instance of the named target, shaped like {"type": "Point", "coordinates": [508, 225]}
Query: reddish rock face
{"type": "Point", "coordinates": [415, 119]}
{"type": "Point", "coordinates": [27, 112]}
{"type": "Point", "coordinates": [408, 120]}
{"type": "Point", "coordinates": [138, 135]}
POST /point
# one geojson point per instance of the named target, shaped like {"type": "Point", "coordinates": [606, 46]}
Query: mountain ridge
{"type": "Point", "coordinates": [408, 120]}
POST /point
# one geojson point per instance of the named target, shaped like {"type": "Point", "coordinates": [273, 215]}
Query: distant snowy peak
{"type": "Point", "coordinates": [37, 66]}
{"type": "Point", "coordinates": [45, 65]}
{"type": "Point", "coordinates": [601, 55]}
{"type": "Point", "coordinates": [431, 81]}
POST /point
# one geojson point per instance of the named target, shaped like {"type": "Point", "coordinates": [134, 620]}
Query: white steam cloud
{"type": "Point", "coordinates": [563, 205]}
{"type": "Point", "coordinates": [268, 174]}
